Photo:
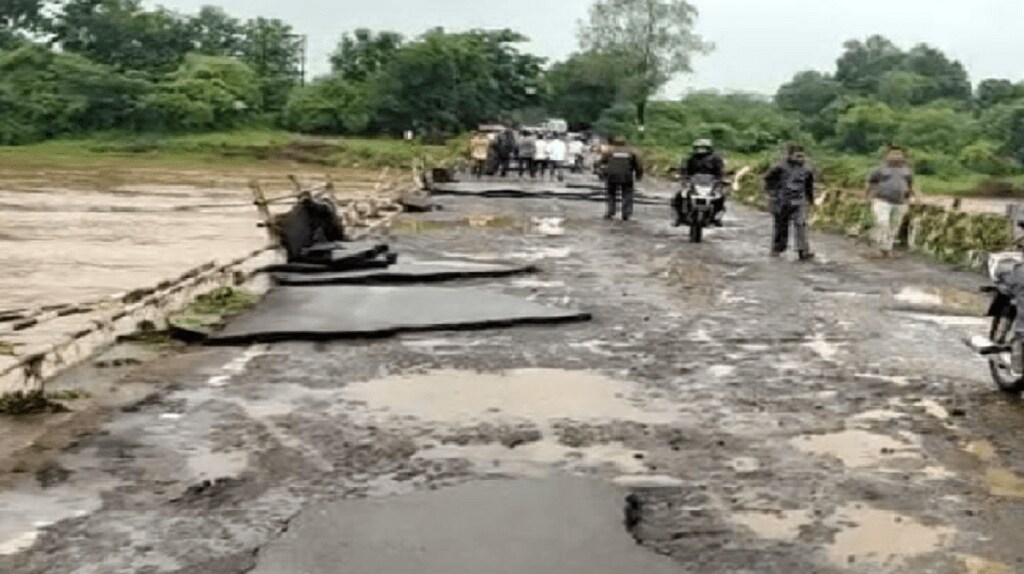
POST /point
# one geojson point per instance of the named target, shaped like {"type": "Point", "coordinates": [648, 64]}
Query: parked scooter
{"type": "Point", "coordinates": [1005, 346]}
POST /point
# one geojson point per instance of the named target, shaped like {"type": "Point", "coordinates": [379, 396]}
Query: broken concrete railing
{"type": "Point", "coordinates": [949, 235]}
{"type": "Point", "coordinates": [40, 344]}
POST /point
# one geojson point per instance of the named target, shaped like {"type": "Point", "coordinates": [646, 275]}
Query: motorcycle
{"type": "Point", "coordinates": [701, 195]}
{"type": "Point", "coordinates": [1004, 348]}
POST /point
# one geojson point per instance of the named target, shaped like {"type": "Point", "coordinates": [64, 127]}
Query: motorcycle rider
{"type": "Point", "coordinates": [622, 167]}
{"type": "Point", "coordinates": [790, 188]}
{"type": "Point", "coordinates": [703, 161]}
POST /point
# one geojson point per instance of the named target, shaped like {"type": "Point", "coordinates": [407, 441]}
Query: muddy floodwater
{"type": "Point", "coordinates": [70, 245]}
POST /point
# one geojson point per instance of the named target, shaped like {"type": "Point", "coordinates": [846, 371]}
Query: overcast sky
{"type": "Point", "coordinates": [759, 43]}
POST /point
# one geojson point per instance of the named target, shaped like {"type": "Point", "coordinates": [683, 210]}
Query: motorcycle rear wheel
{"type": "Point", "coordinates": [1000, 365]}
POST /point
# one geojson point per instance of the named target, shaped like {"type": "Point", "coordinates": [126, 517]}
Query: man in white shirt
{"type": "Point", "coordinates": [557, 151]}
{"type": "Point", "coordinates": [576, 155]}
{"type": "Point", "coordinates": [540, 154]}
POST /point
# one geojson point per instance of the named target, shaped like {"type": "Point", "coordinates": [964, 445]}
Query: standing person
{"type": "Point", "coordinates": [622, 168]}
{"type": "Point", "coordinates": [527, 149]}
{"type": "Point", "coordinates": [576, 155]}
{"type": "Point", "coordinates": [790, 187]}
{"type": "Point", "coordinates": [505, 147]}
{"type": "Point", "coordinates": [557, 152]}
{"type": "Point", "coordinates": [890, 188]}
{"type": "Point", "coordinates": [479, 148]}
{"type": "Point", "coordinates": [540, 154]}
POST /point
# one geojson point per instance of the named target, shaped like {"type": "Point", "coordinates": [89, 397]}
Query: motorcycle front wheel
{"type": "Point", "coordinates": [1001, 365]}
{"type": "Point", "coordinates": [697, 229]}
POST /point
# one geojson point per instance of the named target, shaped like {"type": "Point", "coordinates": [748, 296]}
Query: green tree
{"type": "Point", "coordinates": [583, 86]}
{"type": "Point", "coordinates": [866, 127]}
{"type": "Point", "coordinates": [948, 78]}
{"type": "Point", "coordinates": [449, 82]}
{"type": "Point", "coordinates": [364, 54]}
{"type": "Point", "coordinates": [206, 92]}
{"type": "Point", "coordinates": [330, 105]}
{"type": "Point", "coordinates": [1004, 123]}
{"type": "Point", "coordinates": [122, 34]}
{"type": "Point", "coordinates": [217, 33]}
{"type": "Point", "coordinates": [655, 37]}
{"type": "Point", "coordinates": [44, 94]}
{"type": "Point", "coordinates": [20, 19]}
{"type": "Point", "coordinates": [273, 50]}
{"type": "Point", "coordinates": [936, 128]}
{"type": "Point", "coordinates": [862, 64]}
{"type": "Point", "coordinates": [993, 92]}
{"type": "Point", "coordinates": [808, 93]}
{"type": "Point", "coordinates": [901, 88]}
{"type": "Point", "coordinates": [984, 156]}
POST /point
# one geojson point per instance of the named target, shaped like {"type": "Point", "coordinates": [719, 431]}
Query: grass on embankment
{"type": "Point", "coordinates": [228, 149]}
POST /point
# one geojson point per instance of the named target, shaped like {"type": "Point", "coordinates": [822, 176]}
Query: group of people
{"type": "Point", "coordinates": [790, 186]}
{"type": "Point", "coordinates": [529, 152]}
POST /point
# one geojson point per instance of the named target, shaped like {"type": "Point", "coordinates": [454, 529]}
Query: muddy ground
{"type": "Point", "coordinates": [764, 415]}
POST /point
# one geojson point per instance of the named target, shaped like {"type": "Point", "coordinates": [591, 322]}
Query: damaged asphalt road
{"type": "Point", "coordinates": [760, 416]}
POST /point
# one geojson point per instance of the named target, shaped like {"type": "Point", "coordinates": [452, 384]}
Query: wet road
{"type": "Point", "coordinates": [764, 416]}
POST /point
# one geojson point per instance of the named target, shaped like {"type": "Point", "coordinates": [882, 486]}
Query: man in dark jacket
{"type": "Point", "coordinates": [622, 167]}
{"type": "Point", "coordinates": [790, 188]}
{"type": "Point", "coordinates": [704, 161]}
{"type": "Point", "coordinates": [504, 149]}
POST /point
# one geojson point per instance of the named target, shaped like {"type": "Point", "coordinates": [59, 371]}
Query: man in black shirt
{"type": "Point", "coordinates": [622, 167]}
{"type": "Point", "coordinates": [790, 187]}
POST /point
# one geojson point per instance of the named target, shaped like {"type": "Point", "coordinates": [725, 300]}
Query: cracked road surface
{"type": "Point", "coordinates": [760, 416]}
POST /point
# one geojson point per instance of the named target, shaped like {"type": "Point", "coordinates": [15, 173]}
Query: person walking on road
{"type": "Point", "coordinates": [505, 147]}
{"type": "Point", "coordinates": [479, 148]}
{"type": "Point", "coordinates": [557, 152]}
{"type": "Point", "coordinates": [527, 149]}
{"type": "Point", "coordinates": [890, 189]}
{"type": "Point", "coordinates": [790, 188]}
{"type": "Point", "coordinates": [540, 154]}
{"type": "Point", "coordinates": [576, 149]}
{"type": "Point", "coordinates": [622, 168]}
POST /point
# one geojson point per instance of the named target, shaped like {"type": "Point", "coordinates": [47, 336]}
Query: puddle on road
{"type": "Point", "coordinates": [823, 347]}
{"type": "Point", "coordinates": [983, 449]}
{"type": "Point", "coordinates": [209, 465]}
{"type": "Point", "coordinates": [540, 253]}
{"type": "Point", "coordinates": [540, 395]}
{"type": "Point", "coordinates": [883, 538]}
{"type": "Point", "coordinates": [722, 371]}
{"type": "Point", "coordinates": [897, 380]}
{"type": "Point", "coordinates": [26, 510]}
{"type": "Point", "coordinates": [919, 297]}
{"type": "Point", "coordinates": [781, 525]}
{"type": "Point", "coordinates": [933, 408]}
{"type": "Point", "coordinates": [548, 226]}
{"type": "Point", "coordinates": [1000, 481]}
{"type": "Point", "coordinates": [537, 459]}
{"type": "Point", "coordinates": [856, 448]}
{"type": "Point", "coordinates": [1004, 483]}
{"type": "Point", "coordinates": [979, 565]}
{"type": "Point", "coordinates": [949, 320]}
